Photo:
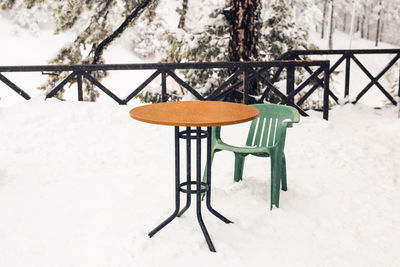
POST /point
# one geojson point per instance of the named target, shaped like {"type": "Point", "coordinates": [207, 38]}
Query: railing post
{"type": "Point", "coordinates": [80, 92]}
{"type": "Point", "coordinates": [398, 92]}
{"type": "Point", "coordinates": [347, 78]}
{"type": "Point", "coordinates": [398, 83]}
{"type": "Point", "coordinates": [290, 81]}
{"type": "Point", "coordinates": [164, 86]}
{"type": "Point", "coordinates": [326, 92]}
{"type": "Point", "coordinates": [245, 86]}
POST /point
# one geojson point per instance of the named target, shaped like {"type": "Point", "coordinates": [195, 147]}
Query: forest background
{"type": "Point", "coordinates": [190, 31]}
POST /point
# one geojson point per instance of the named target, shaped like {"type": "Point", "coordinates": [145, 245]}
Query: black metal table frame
{"type": "Point", "coordinates": [200, 187]}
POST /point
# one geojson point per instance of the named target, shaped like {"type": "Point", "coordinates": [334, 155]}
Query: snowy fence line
{"type": "Point", "coordinates": [347, 56]}
{"type": "Point", "coordinates": [244, 73]}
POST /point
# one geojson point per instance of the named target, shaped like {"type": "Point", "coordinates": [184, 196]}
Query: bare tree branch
{"type": "Point", "coordinates": [133, 15]}
{"type": "Point", "coordinates": [96, 17]}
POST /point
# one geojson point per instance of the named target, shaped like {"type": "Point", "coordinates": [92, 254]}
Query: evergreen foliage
{"type": "Point", "coordinates": [6, 4]}
{"type": "Point", "coordinates": [66, 15]}
{"type": "Point", "coordinates": [209, 45]}
{"type": "Point", "coordinates": [96, 21]}
{"type": "Point", "coordinates": [145, 35]}
{"type": "Point", "coordinates": [278, 35]}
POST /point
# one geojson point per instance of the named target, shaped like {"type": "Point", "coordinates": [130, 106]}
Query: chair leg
{"type": "Point", "coordinates": [275, 179]}
{"type": "Point", "coordinates": [239, 163]}
{"type": "Point", "coordinates": [205, 167]}
{"type": "Point", "coordinates": [283, 173]}
{"type": "Point", "coordinates": [205, 173]}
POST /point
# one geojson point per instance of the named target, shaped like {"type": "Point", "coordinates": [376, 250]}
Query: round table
{"type": "Point", "coordinates": [194, 114]}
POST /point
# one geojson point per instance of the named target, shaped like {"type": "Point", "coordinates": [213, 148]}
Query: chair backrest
{"type": "Point", "coordinates": [265, 128]}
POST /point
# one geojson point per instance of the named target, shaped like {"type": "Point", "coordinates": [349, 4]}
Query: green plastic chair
{"type": "Point", "coordinates": [266, 138]}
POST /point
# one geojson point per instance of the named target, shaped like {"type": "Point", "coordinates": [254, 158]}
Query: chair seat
{"type": "Point", "coordinates": [246, 149]}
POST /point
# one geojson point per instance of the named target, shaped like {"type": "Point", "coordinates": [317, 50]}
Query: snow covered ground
{"type": "Point", "coordinates": [81, 184]}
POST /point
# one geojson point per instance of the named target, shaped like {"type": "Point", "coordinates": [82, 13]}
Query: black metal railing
{"type": "Point", "coordinates": [346, 56]}
{"type": "Point", "coordinates": [245, 72]}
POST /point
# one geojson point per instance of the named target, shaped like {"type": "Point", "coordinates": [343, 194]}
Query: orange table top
{"type": "Point", "coordinates": [194, 113]}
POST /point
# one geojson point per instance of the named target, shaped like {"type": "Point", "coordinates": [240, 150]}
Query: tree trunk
{"type": "Point", "coordinates": [358, 24]}
{"type": "Point", "coordinates": [378, 23]}
{"type": "Point", "coordinates": [182, 12]}
{"type": "Point", "coordinates": [344, 22]}
{"type": "Point", "coordinates": [244, 26]}
{"type": "Point", "coordinates": [368, 16]}
{"type": "Point", "coordinates": [353, 16]}
{"type": "Point", "coordinates": [244, 30]}
{"type": "Point", "coordinates": [383, 18]}
{"type": "Point", "coordinates": [331, 9]}
{"type": "Point", "coordinates": [323, 19]}
{"type": "Point", "coordinates": [362, 25]}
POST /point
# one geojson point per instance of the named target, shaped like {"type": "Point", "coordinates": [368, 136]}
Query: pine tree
{"type": "Point", "coordinates": [234, 32]}
{"type": "Point", "coordinates": [65, 17]}
{"type": "Point", "coordinates": [243, 17]}
{"type": "Point", "coordinates": [208, 45]}
{"type": "Point", "coordinates": [100, 18]}
{"type": "Point", "coordinates": [280, 33]}
{"type": "Point", "coordinates": [219, 41]}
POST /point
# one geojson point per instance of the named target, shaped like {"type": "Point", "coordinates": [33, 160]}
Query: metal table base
{"type": "Point", "coordinates": [186, 187]}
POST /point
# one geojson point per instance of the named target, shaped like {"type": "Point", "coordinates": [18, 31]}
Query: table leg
{"type": "Point", "coordinates": [199, 134]}
{"type": "Point", "coordinates": [177, 185]}
{"type": "Point", "coordinates": [188, 171]}
{"type": "Point", "coordinates": [208, 194]}
{"type": "Point", "coordinates": [198, 189]}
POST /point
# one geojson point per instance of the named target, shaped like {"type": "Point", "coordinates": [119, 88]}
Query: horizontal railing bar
{"type": "Point", "coordinates": [160, 66]}
{"type": "Point", "coordinates": [343, 51]}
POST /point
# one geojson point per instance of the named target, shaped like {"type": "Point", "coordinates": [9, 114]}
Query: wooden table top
{"type": "Point", "coordinates": [194, 113]}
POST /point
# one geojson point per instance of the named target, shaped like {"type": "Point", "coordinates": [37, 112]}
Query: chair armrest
{"type": "Point", "coordinates": [288, 123]}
